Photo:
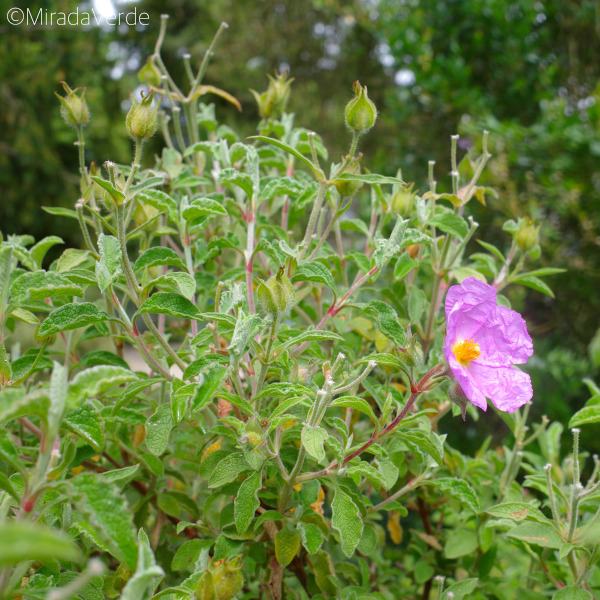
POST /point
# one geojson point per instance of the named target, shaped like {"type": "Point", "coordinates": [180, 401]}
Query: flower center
{"type": "Point", "coordinates": [466, 351]}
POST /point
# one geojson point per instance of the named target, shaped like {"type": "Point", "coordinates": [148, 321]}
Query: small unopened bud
{"type": "Point", "coordinates": [277, 294]}
{"type": "Point", "coordinates": [273, 101]}
{"type": "Point", "coordinates": [361, 112]}
{"type": "Point", "coordinates": [403, 201]}
{"type": "Point", "coordinates": [527, 236]}
{"type": "Point", "coordinates": [74, 108]}
{"type": "Point", "coordinates": [347, 188]}
{"type": "Point", "coordinates": [458, 396]}
{"type": "Point", "coordinates": [149, 74]}
{"type": "Point", "coordinates": [205, 589]}
{"type": "Point", "coordinates": [227, 578]}
{"type": "Point", "coordinates": [141, 118]}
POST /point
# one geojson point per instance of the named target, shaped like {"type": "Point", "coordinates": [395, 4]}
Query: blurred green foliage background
{"type": "Point", "coordinates": [526, 71]}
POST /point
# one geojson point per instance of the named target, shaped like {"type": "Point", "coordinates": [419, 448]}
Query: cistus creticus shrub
{"type": "Point", "coordinates": [243, 385]}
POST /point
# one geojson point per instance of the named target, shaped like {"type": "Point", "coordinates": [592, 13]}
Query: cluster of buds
{"type": "Point", "coordinates": [150, 74]}
{"type": "Point", "coordinates": [361, 112]}
{"type": "Point", "coordinates": [73, 107]}
{"type": "Point", "coordinates": [273, 101]}
{"type": "Point", "coordinates": [221, 581]}
{"type": "Point", "coordinates": [141, 119]}
{"type": "Point", "coordinates": [277, 294]}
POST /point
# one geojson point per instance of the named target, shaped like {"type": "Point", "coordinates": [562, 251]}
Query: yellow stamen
{"type": "Point", "coordinates": [466, 351]}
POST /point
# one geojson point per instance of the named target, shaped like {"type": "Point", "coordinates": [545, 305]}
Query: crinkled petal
{"type": "Point", "coordinates": [468, 307]}
{"type": "Point", "coordinates": [507, 388]}
{"type": "Point", "coordinates": [503, 339]}
{"type": "Point", "coordinates": [468, 384]}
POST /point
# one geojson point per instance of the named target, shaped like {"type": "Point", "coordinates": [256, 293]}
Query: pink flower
{"type": "Point", "coordinates": [483, 342]}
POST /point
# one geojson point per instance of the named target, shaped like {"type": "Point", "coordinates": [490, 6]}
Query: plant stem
{"type": "Point", "coordinates": [312, 221]}
{"type": "Point", "coordinates": [411, 485]}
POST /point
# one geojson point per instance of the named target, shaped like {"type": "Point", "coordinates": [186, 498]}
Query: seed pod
{"type": "Point", "coordinates": [527, 236]}
{"type": "Point", "coordinates": [205, 589]}
{"type": "Point", "coordinates": [361, 112]}
{"type": "Point", "coordinates": [149, 74]}
{"type": "Point", "coordinates": [74, 108]}
{"type": "Point", "coordinates": [273, 101]}
{"type": "Point", "coordinates": [227, 578]}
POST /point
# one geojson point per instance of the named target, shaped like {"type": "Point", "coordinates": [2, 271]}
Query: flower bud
{"type": "Point", "coordinates": [403, 201]}
{"type": "Point", "coordinates": [141, 118]}
{"type": "Point", "coordinates": [457, 395]}
{"type": "Point", "coordinates": [227, 578]}
{"type": "Point", "coordinates": [361, 112]}
{"type": "Point", "coordinates": [205, 589]}
{"type": "Point", "coordinates": [74, 108]}
{"type": "Point", "coordinates": [272, 103]}
{"type": "Point", "coordinates": [277, 294]}
{"type": "Point", "coordinates": [149, 74]}
{"type": "Point", "coordinates": [348, 188]}
{"type": "Point", "coordinates": [527, 235]}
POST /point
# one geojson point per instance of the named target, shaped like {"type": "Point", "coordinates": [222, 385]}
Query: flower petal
{"type": "Point", "coordinates": [507, 388]}
{"type": "Point", "coordinates": [503, 339]}
{"type": "Point", "coordinates": [468, 307]}
{"type": "Point", "coordinates": [467, 382]}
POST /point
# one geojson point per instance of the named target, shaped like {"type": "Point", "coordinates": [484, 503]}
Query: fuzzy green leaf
{"type": "Point", "coordinates": [156, 256]}
{"type": "Point", "coordinates": [458, 489]}
{"type": "Point", "coordinates": [517, 511]}
{"type": "Point", "coordinates": [85, 421]}
{"type": "Point", "coordinates": [108, 268]}
{"type": "Point", "coordinates": [355, 403]}
{"type": "Point", "coordinates": [246, 502]}
{"type": "Point", "coordinates": [287, 544]}
{"type": "Point", "coordinates": [228, 470]}
{"type": "Point", "coordinates": [158, 429]}
{"type": "Point", "coordinates": [313, 439]}
{"type": "Point", "coordinates": [346, 520]}
{"type": "Point", "coordinates": [314, 271]}
{"type": "Point", "coordinates": [96, 380]}
{"type": "Point", "coordinates": [172, 305]}
{"type": "Point", "coordinates": [71, 316]}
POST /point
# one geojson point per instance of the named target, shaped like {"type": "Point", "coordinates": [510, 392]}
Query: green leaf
{"type": "Point", "coordinates": [570, 592]}
{"type": "Point", "coordinates": [188, 553]}
{"type": "Point", "coordinates": [236, 401]}
{"type": "Point", "coordinates": [287, 544]}
{"type": "Point", "coordinates": [427, 442]}
{"type": "Point", "coordinates": [286, 405]}
{"type": "Point", "coordinates": [245, 328]}
{"type": "Point", "coordinates": [39, 285]}
{"type": "Point", "coordinates": [383, 359]}
{"type": "Point", "coordinates": [156, 256]}
{"type": "Point", "coordinates": [534, 283]}
{"type": "Point", "coordinates": [450, 222]}
{"type": "Point", "coordinates": [6, 259]}
{"type": "Point", "coordinates": [58, 399]}
{"type": "Point", "coordinates": [585, 416]}
{"type": "Point", "coordinates": [346, 520]}
{"type": "Point", "coordinates": [228, 470]}
{"type": "Point", "coordinates": [313, 439]}
{"type": "Point", "coordinates": [364, 469]}
{"type": "Point", "coordinates": [85, 421]}
{"type": "Point", "coordinates": [281, 390]}
{"type": "Point", "coordinates": [308, 336]}
{"type": "Point", "coordinates": [124, 475]}
{"type": "Point", "coordinates": [108, 268]}
{"type": "Point", "coordinates": [491, 248]}
{"type": "Point", "coordinates": [314, 271]}
{"type": "Point", "coordinates": [25, 315]}
{"type": "Point", "coordinates": [158, 429]}
{"type": "Point", "coordinates": [458, 489]}
{"type": "Point", "coordinates": [537, 534]}
{"type": "Point", "coordinates": [388, 321]}
{"type": "Point", "coordinates": [116, 194]}
{"type": "Point", "coordinates": [207, 390]}
{"type": "Point", "coordinates": [172, 305]}
{"type": "Point", "coordinates": [71, 316]}
{"type": "Point", "coordinates": [461, 542]}
{"type": "Point", "coordinates": [147, 183]}
{"type": "Point", "coordinates": [355, 403]}
{"type": "Point", "coordinates": [311, 536]}
{"type": "Point", "coordinates": [417, 300]}
{"type": "Point", "coordinates": [71, 258]}
{"type": "Point", "coordinates": [246, 502]}
{"type": "Point", "coordinates": [38, 252]}
{"type": "Point", "coordinates": [517, 511]}
{"type": "Point", "coordinates": [22, 541]}
{"type": "Point", "coordinates": [371, 179]}
{"type": "Point", "coordinates": [461, 589]}
{"type": "Point", "coordinates": [177, 282]}
{"type": "Point", "coordinates": [141, 585]}
{"type": "Point", "coordinates": [95, 381]}
{"type": "Point", "coordinates": [108, 514]}
{"type": "Point", "coordinates": [202, 207]}
{"type": "Point", "coordinates": [387, 249]}
{"type": "Point", "coordinates": [314, 168]}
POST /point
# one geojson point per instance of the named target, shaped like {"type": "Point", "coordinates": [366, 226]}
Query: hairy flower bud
{"type": "Point", "coordinates": [149, 74]}
{"type": "Point", "coordinates": [273, 101]}
{"type": "Point", "coordinates": [347, 188]}
{"type": "Point", "coordinates": [403, 201]}
{"type": "Point", "coordinates": [277, 294]}
{"type": "Point", "coordinates": [527, 235]}
{"type": "Point", "coordinates": [74, 108]}
{"type": "Point", "coordinates": [205, 589]}
{"type": "Point", "coordinates": [361, 112]}
{"type": "Point", "coordinates": [141, 118]}
{"type": "Point", "coordinates": [227, 578]}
